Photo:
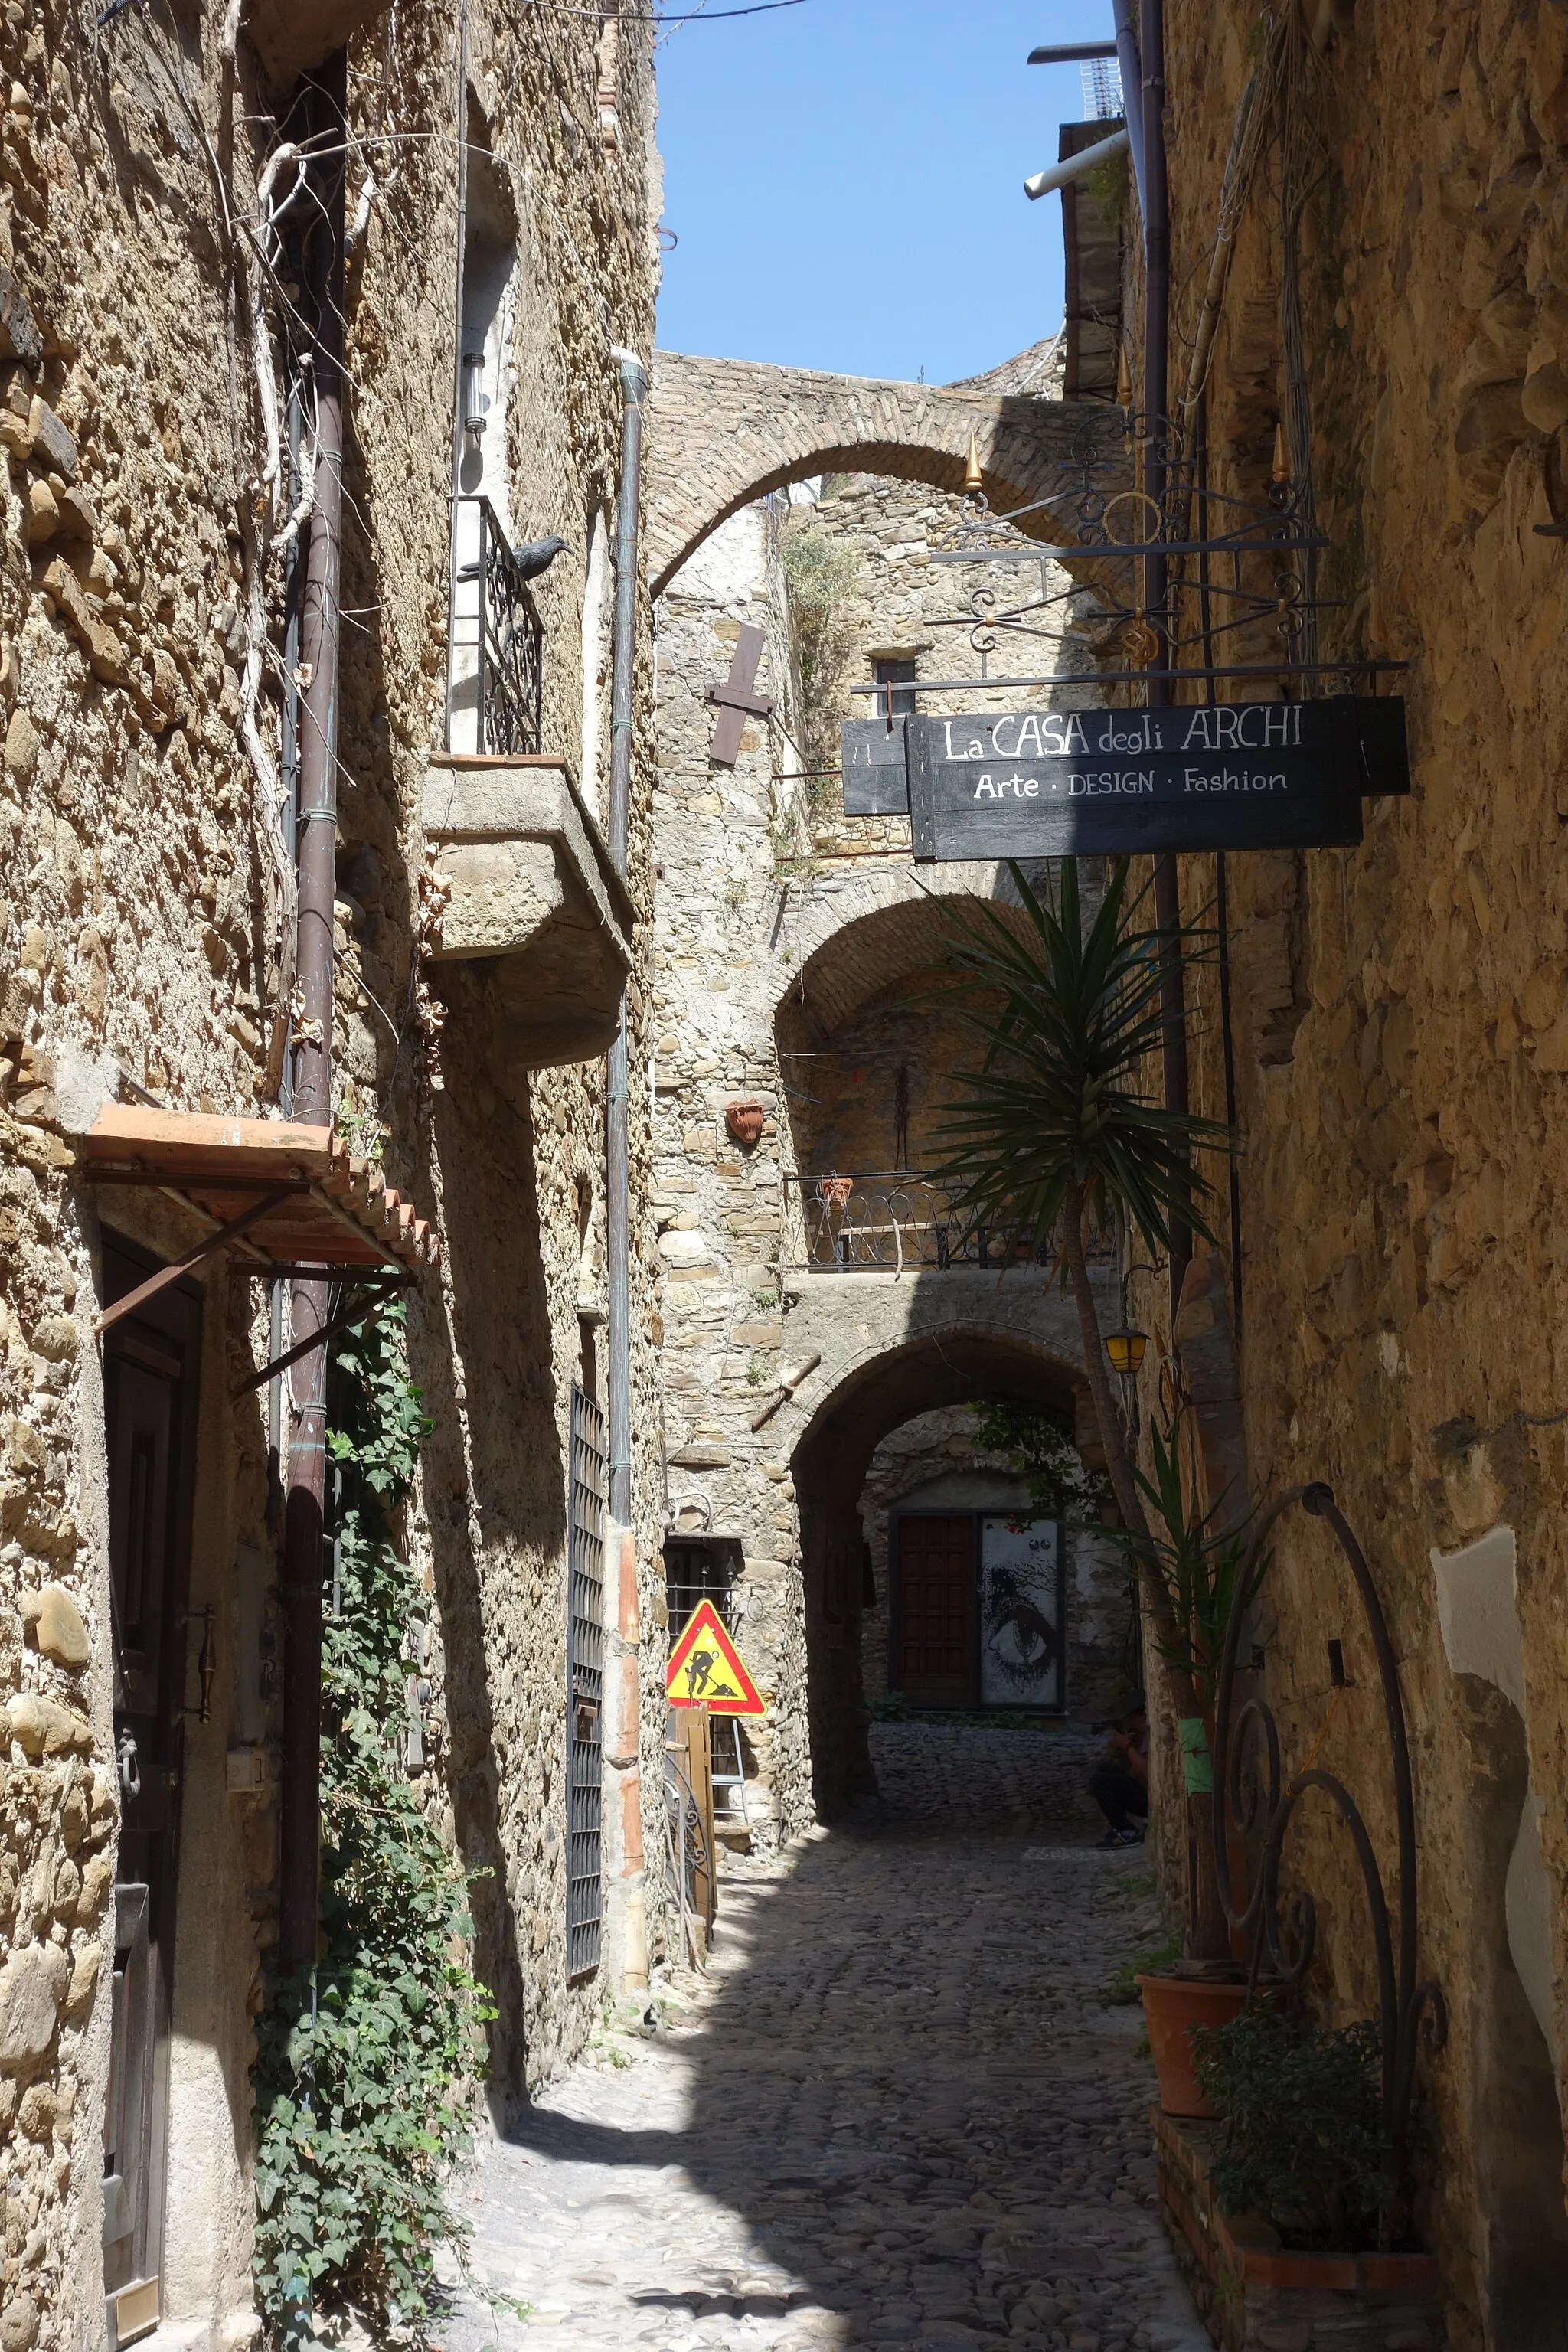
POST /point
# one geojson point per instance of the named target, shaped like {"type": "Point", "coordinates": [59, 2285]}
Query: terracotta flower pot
{"type": "Point", "coordinates": [1171, 2007]}
{"type": "Point", "coordinates": [743, 1120]}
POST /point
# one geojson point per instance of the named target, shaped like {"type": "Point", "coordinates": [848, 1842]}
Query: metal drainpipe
{"type": "Point", "coordinates": [1131, 93]}
{"type": "Point", "coordinates": [457, 374]}
{"type": "Point", "coordinates": [319, 637]}
{"type": "Point", "coordinates": [290, 833]}
{"type": "Point", "coordinates": [617, 1181]}
{"type": "Point", "coordinates": [1156, 328]}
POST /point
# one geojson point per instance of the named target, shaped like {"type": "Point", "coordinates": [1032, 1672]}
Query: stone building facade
{"type": "Point", "coordinates": [1399, 1034]}
{"type": "Point", "coordinates": [147, 285]}
{"type": "Point", "coordinates": [790, 944]}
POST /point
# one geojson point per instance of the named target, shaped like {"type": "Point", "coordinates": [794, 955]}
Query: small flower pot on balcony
{"type": "Point", "coordinates": [743, 1121]}
{"type": "Point", "coordinates": [1171, 2007]}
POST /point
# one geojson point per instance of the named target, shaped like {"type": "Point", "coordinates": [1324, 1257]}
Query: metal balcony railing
{"type": "Point", "coordinates": [892, 1219]}
{"type": "Point", "coordinates": [495, 654]}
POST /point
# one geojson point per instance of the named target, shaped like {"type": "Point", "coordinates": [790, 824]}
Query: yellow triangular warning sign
{"type": "Point", "coordinates": [706, 1669]}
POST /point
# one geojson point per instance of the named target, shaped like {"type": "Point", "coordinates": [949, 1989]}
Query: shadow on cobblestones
{"type": "Point", "coordinates": [899, 2111]}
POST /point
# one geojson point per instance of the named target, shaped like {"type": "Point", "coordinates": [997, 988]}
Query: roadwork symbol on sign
{"type": "Point", "coordinates": [706, 1669]}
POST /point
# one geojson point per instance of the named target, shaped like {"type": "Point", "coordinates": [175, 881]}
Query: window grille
{"type": "Point", "coordinates": [496, 651]}
{"type": "Point", "coordinates": [585, 1686]}
{"type": "Point", "coordinates": [695, 1572]}
{"type": "Point", "coordinates": [899, 677]}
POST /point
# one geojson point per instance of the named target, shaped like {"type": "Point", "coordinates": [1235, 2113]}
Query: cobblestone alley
{"type": "Point", "coordinates": [899, 2111]}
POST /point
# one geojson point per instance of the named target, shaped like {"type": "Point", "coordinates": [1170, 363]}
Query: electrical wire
{"type": "Point", "coordinates": [648, 15]}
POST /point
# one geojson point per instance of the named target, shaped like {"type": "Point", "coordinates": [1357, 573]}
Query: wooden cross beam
{"type": "Point", "coordinates": [735, 697]}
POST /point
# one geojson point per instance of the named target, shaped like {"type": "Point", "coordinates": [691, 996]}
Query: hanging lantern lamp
{"type": "Point", "coordinates": [1126, 1349]}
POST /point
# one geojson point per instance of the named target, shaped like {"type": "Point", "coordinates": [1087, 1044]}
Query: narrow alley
{"type": "Point", "coordinates": [901, 2111]}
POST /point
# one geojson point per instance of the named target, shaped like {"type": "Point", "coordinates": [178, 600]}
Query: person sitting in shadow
{"type": "Point", "coordinates": [1119, 1782]}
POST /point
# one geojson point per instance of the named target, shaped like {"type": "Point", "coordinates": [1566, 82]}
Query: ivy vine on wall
{"type": "Point", "coordinates": [366, 2065]}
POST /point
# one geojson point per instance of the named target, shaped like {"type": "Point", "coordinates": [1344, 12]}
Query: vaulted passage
{"type": "Point", "coordinates": [950, 1364]}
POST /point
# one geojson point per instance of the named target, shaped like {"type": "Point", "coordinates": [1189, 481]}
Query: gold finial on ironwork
{"type": "Point", "coordinates": [973, 478]}
{"type": "Point", "coordinates": [1123, 378]}
{"type": "Point", "coordinates": [1281, 469]}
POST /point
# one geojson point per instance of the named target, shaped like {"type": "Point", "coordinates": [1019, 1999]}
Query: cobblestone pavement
{"type": "Point", "coordinates": [897, 2111]}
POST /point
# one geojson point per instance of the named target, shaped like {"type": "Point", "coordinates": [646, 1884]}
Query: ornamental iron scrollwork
{"type": "Point", "coordinates": [1261, 1801]}
{"type": "Point", "coordinates": [1248, 566]}
{"type": "Point", "coordinates": [500, 635]}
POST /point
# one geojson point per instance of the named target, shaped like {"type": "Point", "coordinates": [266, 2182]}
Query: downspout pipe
{"type": "Point", "coordinates": [1156, 365]}
{"type": "Point", "coordinates": [303, 1517]}
{"type": "Point", "coordinates": [458, 299]}
{"type": "Point", "coordinates": [617, 1177]}
{"type": "Point", "coordinates": [1131, 93]}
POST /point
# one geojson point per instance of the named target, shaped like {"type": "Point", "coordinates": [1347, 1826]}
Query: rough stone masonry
{"type": "Point", "coordinates": [147, 285]}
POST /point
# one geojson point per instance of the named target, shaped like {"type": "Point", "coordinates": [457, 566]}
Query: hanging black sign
{"type": "Point", "coordinates": [1074, 783]}
{"type": "Point", "coordinates": [876, 781]}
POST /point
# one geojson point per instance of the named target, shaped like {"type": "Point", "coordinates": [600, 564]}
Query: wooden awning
{"type": "Point", "coordinates": [281, 1196]}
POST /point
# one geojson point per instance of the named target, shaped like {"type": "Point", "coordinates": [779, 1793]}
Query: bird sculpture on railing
{"type": "Point", "coordinates": [536, 555]}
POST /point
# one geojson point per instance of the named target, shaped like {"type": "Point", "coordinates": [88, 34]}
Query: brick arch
{"type": "Point", "coordinates": [721, 432]}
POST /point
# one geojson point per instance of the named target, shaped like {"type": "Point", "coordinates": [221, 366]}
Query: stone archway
{"type": "Point", "coordinates": [1021, 1351]}
{"type": "Point", "coordinates": [722, 433]}
{"type": "Point", "coordinates": [873, 935]}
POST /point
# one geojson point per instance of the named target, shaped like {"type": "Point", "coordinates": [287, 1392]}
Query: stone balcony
{"type": "Point", "coordinates": [533, 894]}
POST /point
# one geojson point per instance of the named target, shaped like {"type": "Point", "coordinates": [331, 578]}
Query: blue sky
{"type": "Point", "coordinates": [844, 179]}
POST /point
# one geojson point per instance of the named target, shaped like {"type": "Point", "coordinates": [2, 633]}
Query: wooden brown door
{"type": "Point", "coordinates": [150, 1361]}
{"type": "Point", "coordinates": [935, 1660]}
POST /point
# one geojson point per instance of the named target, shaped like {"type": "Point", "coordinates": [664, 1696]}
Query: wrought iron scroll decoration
{"type": "Point", "coordinates": [1405, 2005]}
{"type": "Point", "coordinates": [508, 645]}
{"type": "Point", "coordinates": [1282, 528]}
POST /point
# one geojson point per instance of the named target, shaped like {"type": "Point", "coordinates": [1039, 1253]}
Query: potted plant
{"type": "Point", "coordinates": [1287, 2214]}
{"type": "Point", "coordinates": [1197, 1556]}
{"type": "Point", "coordinates": [1057, 1136]}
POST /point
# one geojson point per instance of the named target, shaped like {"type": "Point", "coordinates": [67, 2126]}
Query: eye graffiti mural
{"type": "Point", "coordinates": [1020, 1612]}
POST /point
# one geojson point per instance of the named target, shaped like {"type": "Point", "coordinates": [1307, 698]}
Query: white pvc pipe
{"type": "Point", "coordinates": [1073, 167]}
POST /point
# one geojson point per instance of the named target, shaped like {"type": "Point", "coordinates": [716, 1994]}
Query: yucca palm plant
{"type": "Point", "coordinates": [1198, 1553]}
{"type": "Point", "coordinates": [1057, 1135]}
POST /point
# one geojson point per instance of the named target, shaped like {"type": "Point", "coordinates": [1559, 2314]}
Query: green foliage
{"type": "Point", "coordinates": [1042, 1452]}
{"type": "Point", "coordinates": [1303, 2142]}
{"type": "Point", "coordinates": [365, 2075]}
{"type": "Point", "coordinates": [1196, 1563]}
{"type": "Point", "coordinates": [1057, 1104]}
{"type": "Point", "coordinates": [819, 574]}
{"type": "Point", "coordinates": [1107, 185]}
{"type": "Point", "coordinates": [1123, 1992]}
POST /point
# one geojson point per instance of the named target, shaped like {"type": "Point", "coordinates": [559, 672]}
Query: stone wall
{"type": "Point", "coordinates": [727, 431]}
{"type": "Point", "coordinates": [790, 942]}
{"type": "Point", "coordinates": [140, 924]}
{"type": "Point", "coordinates": [1400, 1046]}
